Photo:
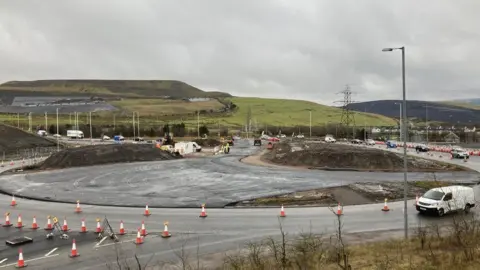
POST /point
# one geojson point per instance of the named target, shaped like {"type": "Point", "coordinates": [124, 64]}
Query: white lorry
{"type": "Point", "coordinates": [443, 200]}
{"type": "Point", "coordinates": [75, 134]}
{"type": "Point", "coordinates": [187, 147]}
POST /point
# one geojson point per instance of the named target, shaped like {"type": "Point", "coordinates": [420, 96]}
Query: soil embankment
{"type": "Point", "coordinates": [346, 157]}
{"type": "Point", "coordinates": [105, 154]}
{"type": "Point", "coordinates": [13, 140]}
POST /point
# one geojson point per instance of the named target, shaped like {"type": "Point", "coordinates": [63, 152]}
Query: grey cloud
{"type": "Point", "coordinates": [273, 48]}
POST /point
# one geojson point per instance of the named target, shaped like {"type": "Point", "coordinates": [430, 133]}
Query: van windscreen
{"type": "Point", "coordinates": [433, 195]}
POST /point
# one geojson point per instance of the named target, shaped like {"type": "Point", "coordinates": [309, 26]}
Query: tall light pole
{"type": "Point", "coordinates": [310, 111]}
{"type": "Point", "coordinates": [90, 125]}
{"type": "Point", "coordinates": [404, 127]}
{"type": "Point", "coordinates": [198, 124]}
{"type": "Point", "coordinates": [426, 122]}
{"type": "Point", "coordinates": [133, 124]}
{"type": "Point", "coordinates": [58, 135]}
{"type": "Point", "coordinates": [400, 119]}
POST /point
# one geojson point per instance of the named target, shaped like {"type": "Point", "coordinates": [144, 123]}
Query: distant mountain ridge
{"type": "Point", "coordinates": [120, 88]}
{"type": "Point", "coordinates": [432, 111]}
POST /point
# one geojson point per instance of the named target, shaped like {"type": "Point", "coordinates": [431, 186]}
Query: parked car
{"type": "Point", "coordinates": [421, 148]}
{"type": "Point", "coordinates": [443, 200]}
{"type": "Point", "coordinates": [391, 144]}
{"type": "Point", "coordinates": [370, 142]}
{"type": "Point", "coordinates": [329, 139]}
{"type": "Point", "coordinates": [356, 141]}
{"type": "Point", "coordinates": [257, 142]}
{"type": "Point", "coordinates": [460, 153]}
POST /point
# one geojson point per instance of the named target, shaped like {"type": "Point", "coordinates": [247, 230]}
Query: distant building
{"type": "Point", "coordinates": [197, 99]}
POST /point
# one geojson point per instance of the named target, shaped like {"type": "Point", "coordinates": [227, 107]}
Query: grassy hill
{"type": "Point", "coordinates": [149, 99]}
{"type": "Point", "coordinates": [443, 112]}
{"type": "Point", "coordinates": [121, 88]}
{"type": "Point", "coordinates": [284, 112]}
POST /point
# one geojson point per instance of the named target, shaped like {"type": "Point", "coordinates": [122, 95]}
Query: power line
{"type": "Point", "coordinates": [347, 120]}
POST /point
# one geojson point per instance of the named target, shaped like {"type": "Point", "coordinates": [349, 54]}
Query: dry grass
{"type": "Point", "coordinates": [453, 246]}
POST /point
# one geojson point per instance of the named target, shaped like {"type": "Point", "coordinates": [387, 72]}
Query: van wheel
{"type": "Point", "coordinates": [441, 212]}
{"type": "Point", "coordinates": [467, 208]}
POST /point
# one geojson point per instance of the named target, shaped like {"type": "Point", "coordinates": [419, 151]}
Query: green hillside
{"type": "Point", "coordinates": [284, 112]}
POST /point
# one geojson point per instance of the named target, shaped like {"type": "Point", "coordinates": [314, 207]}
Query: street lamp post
{"type": "Point", "coordinates": [310, 111]}
{"type": "Point", "coordinates": [404, 129]}
{"type": "Point", "coordinates": [57, 135]}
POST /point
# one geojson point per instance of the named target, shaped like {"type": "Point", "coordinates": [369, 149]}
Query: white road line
{"type": "Point", "coordinates": [101, 241]}
{"type": "Point", "coordinates": [31, 260]}
{"type": "Point", "coordinates": [2, 261]}
{"type": "Point", "coordinates": [51, 251]}
{"type": "Point", "coordinates": [110, 244]}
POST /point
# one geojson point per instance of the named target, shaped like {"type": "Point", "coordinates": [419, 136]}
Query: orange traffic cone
{"type": "Point", "coordinates": [99, 228]}
{"type": "Point", "coordinates": [166, 233]}
{"type": "Point", "coordinates": [65, 226]}
{"type": "Point", "coordinates": [282, 212]}
{"type": "Point", "coordinates": [19, 222]}
{"type": "Point", "coordinates": [34, 223]}
{"type": "Point", "coordinates": [339, 210]}
{"type": "Point", "coordinates": [139, 239]}
{"type": "Point", "coordinates": [83, 228]}
{"type": "Point", "coordinates": [14, 202]}
{"type": "Point", "coordinates": [20, 263]}
{"type": "Point", "coordinates": [122, 230]}
{"type": "Point", "coordinates": [203, 214]}
{"type": "Point", "coordinates": [147, 211]}
{"type": "Point", "coordinates": [7, 220]}
{"type": "Point", "coordinates": [74, 253]}
{"type": "Point", "coordinates": [143, 231]}
{"type": "Point", "coordinates": [385, 206]}
{"type": "Point", "coordinates": [78, 209]}
{"type": "Point", "coordinates": [11, 163]}
{"type": "Point", "coordinates": [49, 226]}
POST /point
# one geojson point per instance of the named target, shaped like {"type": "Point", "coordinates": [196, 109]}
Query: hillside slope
{"type": "Point", "coordinates": [434, 111]}
{"type": "Point", "coordinates": [285, 112]}
{"type": "Point", "coordinates": [121, 88]}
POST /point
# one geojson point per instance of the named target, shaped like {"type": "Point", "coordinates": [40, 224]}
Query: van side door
{"type": "Point", "coordinates": [448, 202]}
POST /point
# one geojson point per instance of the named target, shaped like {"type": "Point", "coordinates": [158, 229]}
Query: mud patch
{"type": "Point", "coordinates": [354, 194]}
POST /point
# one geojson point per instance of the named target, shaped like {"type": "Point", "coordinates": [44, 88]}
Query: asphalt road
{"type": "Point", "coordinates": [223, 229]}
{"type": "Point", "coordinates": [216, 181]}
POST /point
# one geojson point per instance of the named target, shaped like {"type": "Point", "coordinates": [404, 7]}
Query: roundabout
{"type": "Point", "coordinates": [216, 181]}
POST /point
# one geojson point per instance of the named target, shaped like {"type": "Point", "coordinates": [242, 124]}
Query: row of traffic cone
{"type": "Point", "coordinates": [141, 233]}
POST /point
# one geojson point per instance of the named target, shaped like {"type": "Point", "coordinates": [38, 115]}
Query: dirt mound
{"type": "Point", "coordinates": [347, 157]}
{"type": "Point", "coordinates": [207, 142]}
{"type": "Point", "coordinates": [13, 139]}
{"type": "Point", "coordinates": [105, 154]}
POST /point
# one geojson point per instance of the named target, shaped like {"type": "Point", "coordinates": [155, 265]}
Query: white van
{"type": "Point", "coordinates": [443, 200]}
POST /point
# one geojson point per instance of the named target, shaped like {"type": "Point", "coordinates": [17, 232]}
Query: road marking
{"type": "Point", "coordinates": [2, 261]}
{"type": "Point", "coordinates": [51, 251]}
{"type": "Point", "coordinates": [101, 241]}
{"type": "Point", "coordinates": [110, 244]}
{"type": "Point", "coordinates": [31, 260]}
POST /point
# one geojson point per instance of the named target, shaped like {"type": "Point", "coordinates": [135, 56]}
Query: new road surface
{"type": "Point", "coordinates": [216, 181]}
{"type": "Point", "coordinates": [223, 229]}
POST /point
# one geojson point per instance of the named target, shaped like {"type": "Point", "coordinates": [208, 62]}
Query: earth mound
{"type": "Point", "coordinates": [347, 157]}
{"type": "Point", "coordinates": [12, 139]}
{"type": "Point", "coordinates": [105, 154]}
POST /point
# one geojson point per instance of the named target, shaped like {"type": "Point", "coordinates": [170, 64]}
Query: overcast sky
{"type": "Point", "coordinates": [302, 49]}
